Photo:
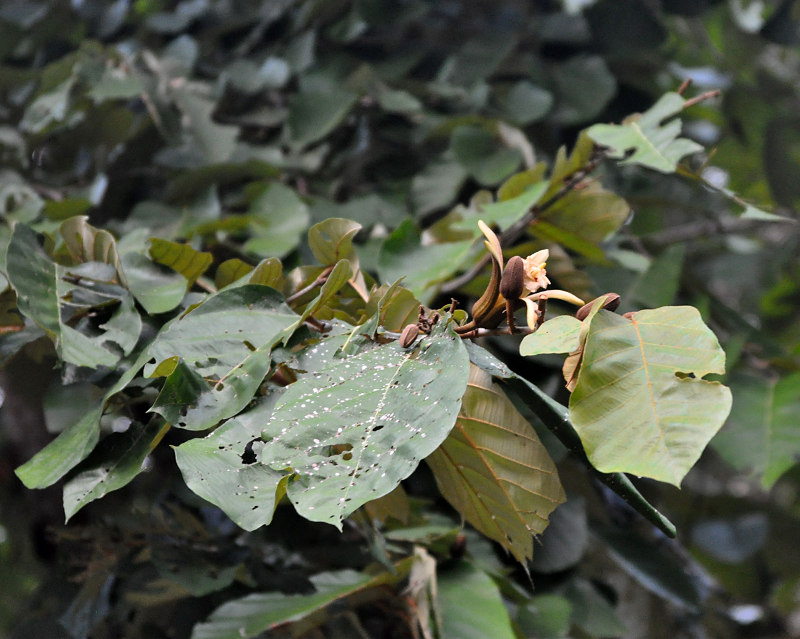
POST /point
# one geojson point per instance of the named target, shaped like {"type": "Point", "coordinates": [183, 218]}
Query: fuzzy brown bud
{"type": "Point", "coordinates": [409, 335]}
{"type": "Point", "coordinates": [513, 280]}
{"type": "Point", "coordinates": [611, 304]}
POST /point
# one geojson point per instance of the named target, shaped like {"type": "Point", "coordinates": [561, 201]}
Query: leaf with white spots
{"type": "Point", "coordinates": [495, 471]}
{"type": "Point", "coordinates": [356, 425]}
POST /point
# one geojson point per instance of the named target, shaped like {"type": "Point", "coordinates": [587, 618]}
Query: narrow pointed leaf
{"type": "Point", "coordinates": [653, 136]}
{"type": "Point", "coordinates": [494, 470]}
{"type": "Point", "coordinates": [635, 405]}
{"type": "Point", "coordinates": [355, 427]}
{"type": "Point", "coordinates": [115, 462]}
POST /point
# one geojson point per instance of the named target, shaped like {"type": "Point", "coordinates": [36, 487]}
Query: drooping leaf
{"type": "Point", "coordinates": [471, 605]}
{"type": "Point", "coordinates": [761, 434]}
{"type": "Point", "coordinates": [313, 115]}
{"type": "Point", "coordinates": [218, 355]}
{"type": "Point", "coordinates": [113, 464]}
{"type": "Point", "coordinates": [494, 470]}
{"type": "Point", "coordinates": [640, 404]}
{"type": "Point", "coordinates": [181, 258]}
{"type": "Point", "coordinates": [42, 286]}
{"type": "Point", "coordinates": [260, 612]}
{"type": "Point", "coordinates": [350, 431]}
{"type": "Point", "coordinates": [75, 442]}
{"type": "Point", "coordinates": [157, 288]}
{"type": "Point", "coordinates": [221, 468]}
{"type": "Point", "coordinates": [278, 219]}
{"type": "Point", "coordinates": [652, 138]}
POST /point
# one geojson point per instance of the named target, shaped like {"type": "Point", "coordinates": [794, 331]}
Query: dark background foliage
{"type": "Point", "coordinates": [168, 119]}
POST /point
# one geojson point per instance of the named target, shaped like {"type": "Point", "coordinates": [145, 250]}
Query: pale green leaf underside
{"type": "Point", "coordinates": [558, 335]}
{"type": "Point", "coordinates": [354, 427]}
{"type": "Point", "coordinates": [632, 410]}
{"type": "Point", "coordinates": [494, 470]}
{"type": "Point", "coordinates": [653, 136]}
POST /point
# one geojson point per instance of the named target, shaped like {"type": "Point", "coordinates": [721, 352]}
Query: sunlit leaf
{"type": "Point", "coordinates": [640, 404]}
{"type": "Point", "coordinates": [494, 470]}
{"type": "Point", "coordinates": [558, 335]}
{"type": "Point", "coordinates": [181, 258]}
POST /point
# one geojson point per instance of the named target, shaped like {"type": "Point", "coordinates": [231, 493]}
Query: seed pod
{"type": "Point", "coordinates": [409, 335]}
{"type": "Point", "coordinates": [611, 304]}
{"type": "Point", "coordinates": [512, 282]}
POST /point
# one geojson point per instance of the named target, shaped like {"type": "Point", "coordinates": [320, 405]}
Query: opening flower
{"type": "Point", "coordinates": [534, 270]}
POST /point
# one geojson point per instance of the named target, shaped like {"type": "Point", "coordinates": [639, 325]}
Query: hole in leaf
{"type": "Point", "coordinates": [248, 456]}
{"type": "Point", "coordinates": [377, 428]}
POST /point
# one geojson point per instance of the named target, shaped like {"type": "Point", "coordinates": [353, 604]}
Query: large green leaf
{"type": "Point", "coordinates": [471, 606]}
{"type": "Point", "coordinates": [357, 425]}
{"type": "Point", "coordinates": [494, 470]}
{"type": "Point", "coordinates": [157, 288]}
{"type": "Point", "coordinates": [261, 612]}
{"type": "Point", "coordinates": [217, 355]}
{"type": "Point", "coordinates": [761, 433]}
{"type": "Point", "coordinates": [640, 404]}
{"type": "Point", "coordinates": [650, 139]}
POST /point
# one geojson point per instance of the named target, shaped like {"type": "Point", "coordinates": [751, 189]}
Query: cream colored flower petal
{"type": "Point", "coordinates": [530, 314]}
{"type": "Point", "coordinates": [492, 243]}
{"type": "Point", "coordinates": [556, 294]}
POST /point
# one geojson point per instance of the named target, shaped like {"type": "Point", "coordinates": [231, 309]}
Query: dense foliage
{"type": "Point", "coordinates": [270, 349]}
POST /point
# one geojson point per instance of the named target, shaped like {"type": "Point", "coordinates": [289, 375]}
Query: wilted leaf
{"type": "Point", "coordinates": [640, 404]}
{"type": "Point", "coordinates": [650, 141]}
{"type": "Point", "coordinates": [494, 470]}
{"type": "Point", "coordinates": [350, 431]}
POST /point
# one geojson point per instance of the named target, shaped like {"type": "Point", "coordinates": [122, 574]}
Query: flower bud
{"type": "Point", "coordinates": [409, 335]}
{"type": "Point", "coordinates": [513, 280]}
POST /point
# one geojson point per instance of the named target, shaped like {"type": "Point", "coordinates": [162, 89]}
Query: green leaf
{"type": "Point", "coordinates": [181, 258]}
{"type": "Point", "coordinates": [332, 240]}
{"type": "Point", "coordinates": [40, 285]}
{"type": "Point", "coordinates": [494, 470]}
{"type": "Point", "coordinates": [230, 271]}
{"type": "Point", "coordinates": [357, 425]}
{"type": "Point", "coordinates": [268, 272]}
{"type": "Point", "coordinates": [545, 617]}
{"type": "Point", "coordinates": [314, 114]}
{"type": "Point", "coordinates": [471, 606]}
{"type": "Point", "coordinates": [761, 433]}
{"type": "Point", "coordinates": [224, 346]}
{"type": "Point", "coordinates": [652, 136]}
{"type": "Point", "coordinates": [640, 405]}
{"type": "Point", "coordinates": [157, 288]}
{"type": "Point", "coordinates": [524, 103]}
{"type": "Point", "coordinates": [112, 465]}
{"type": "Point", "coordinates": [403, 255]}
{"type": "Point", "coordinates": [216, 141]}
{"type": "Point", "coordinates": [261, 612]}
{"type": "Point", "coordinates": [85, 243]}
{"type": "Point", "coordinates": [502, 214]}
{"type": "Point", "coordinates": [75, 442]}
{"type": "Point", "coordinates": [278, 220]}
{"type": "Point", "coordinates": [659, 284]}
{"type": "Point", "coordinates": [482, 156]}
{"type": "Point", "coordinates": [336, 280]}
{"type": "Point", "coordinates": [558, 335]}
{"type": "Point", "coordinates": [437, 186]}
{"type": "Point", "coordinates": [219, 469]}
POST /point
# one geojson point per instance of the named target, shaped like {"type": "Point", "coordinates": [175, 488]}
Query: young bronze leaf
{"type": "Point", "coordinates": [640, 404]}
{"type": "Point", "coordinates": [357, 425]}
{"type": "Point", "coordinates": [494, 470]}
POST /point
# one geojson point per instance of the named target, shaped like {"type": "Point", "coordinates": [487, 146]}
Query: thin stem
{"type": "Point", "coordinates": [321, 279]}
